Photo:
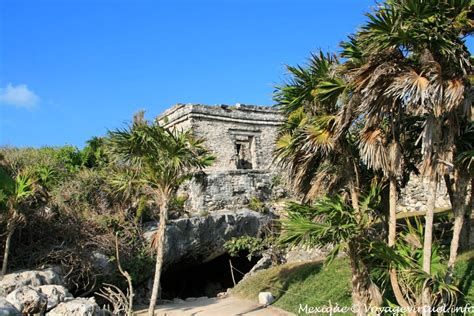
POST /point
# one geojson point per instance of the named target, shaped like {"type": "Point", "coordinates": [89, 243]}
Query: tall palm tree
{"type": "Point", "coordinates": [381, 118]}
{"type": "Point", "coordinates": [317, 147]}
{"type": "Point", "coordinates": [425, 75]}
{"type": "Point", "coordinates": [158, 160]}
{"type": "Point", "coordinates": [311, 145]}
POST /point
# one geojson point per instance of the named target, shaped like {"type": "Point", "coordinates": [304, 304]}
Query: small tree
{"type": "Point", "coordinates": [158, 160]}
{"type": "Point", "coordinates": [13, 194]}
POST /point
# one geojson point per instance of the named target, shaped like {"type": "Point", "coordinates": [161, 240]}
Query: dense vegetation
{"type": "Point", "coordinates": [397, 100]}
{"type": "Point", "coordinates": [73, 210]}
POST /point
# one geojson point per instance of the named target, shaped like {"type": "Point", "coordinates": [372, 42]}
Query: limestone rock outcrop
{"type": "Point", "coordinates": [15, 280]}
{"type": "Point", "coordinates": [28, 300]}
{"type": "Point", "coordinates": [77, 307]}
{"type": "Point", "coordinates": [200, 239]}
{"type": "Point", "coordinates": [7, 309]}
{"type": "Point", "coordinates": [55, 294]}
{"type": "Point", "coordinates": [31, 292]}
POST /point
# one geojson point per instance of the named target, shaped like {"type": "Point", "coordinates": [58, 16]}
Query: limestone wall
{"type": "Point", "coordinates": [416, 194]}
{"type": "Point", "coordinates": [226, 189]}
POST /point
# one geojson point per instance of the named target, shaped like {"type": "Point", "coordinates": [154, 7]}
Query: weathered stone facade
{"type": "Point", "coordinates": [231, 189]}
{"type": "Point", "coordinates": [242, 138]}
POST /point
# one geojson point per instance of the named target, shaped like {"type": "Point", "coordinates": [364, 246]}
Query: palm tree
{"type": "Point", "coordinates": [13, 195]}
{"type": "Point", "coordinates": [331, 220]}
{"type": "Point", "coordinates": [158, 161]}
{"type": "Point", "coordinates": [381, 117]}
{"type": "Point", "coordinates": [317, 147]}
{"type": "Point", "coordinates": [311, 144]}
{"type": "Point", "coordinates": [457, 188]}
{"type": "Point", "coordinates": [416, 49]}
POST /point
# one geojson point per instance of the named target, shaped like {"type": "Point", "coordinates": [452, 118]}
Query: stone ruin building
{"type": "Point", "coordinates": [242, 137]}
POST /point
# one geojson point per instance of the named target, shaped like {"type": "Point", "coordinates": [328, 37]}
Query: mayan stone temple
{"type": "Point", "coordinates": [242, 137]}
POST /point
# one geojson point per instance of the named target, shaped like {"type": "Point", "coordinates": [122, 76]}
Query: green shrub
{"type": "Point", "coordinates": [257, 205]}
{"type": "Point", "coordinates": [253, 246]}
{"type": "Point", "coordinates": [177, 205]}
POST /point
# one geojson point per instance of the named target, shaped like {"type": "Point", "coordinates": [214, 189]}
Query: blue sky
{"type": "Point", "coordinates": [72, 69]}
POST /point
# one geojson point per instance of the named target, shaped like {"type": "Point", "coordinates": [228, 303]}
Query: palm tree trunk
{"type": "Point", "coordinates": [465, 240]}
{"type": "Point", "coordinates": [392, 236]}
{"type": "Point", "coordinates": [428, 242]}
{"type": "Point", "coordinates": [459, 210]}
{"type": "Point", "coordinates": [7, 250]}
{"type": "Point", "coordinates": [360, 293]}
{"type": "Point", "coordinates": [392, 218]}
{"type": "Point", "coordinates": [161, 238]}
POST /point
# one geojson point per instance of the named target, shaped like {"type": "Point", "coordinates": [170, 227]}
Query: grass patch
{"type": "Point", "coordinates": [314, 284]}
{"type": "Point", "coordinates": [465, 274]}
{"type": "Point", "coordinates": [309, 283]}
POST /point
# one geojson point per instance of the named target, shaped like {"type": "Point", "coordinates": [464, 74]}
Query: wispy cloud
{"type": "Point", "coordinates": [19, 96]}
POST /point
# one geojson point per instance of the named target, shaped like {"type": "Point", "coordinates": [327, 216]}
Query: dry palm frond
{"type": "Point", "coordinates": [347, 115]}
{"type": "Point", "coordinates": [410, 87]}
{"type": "Point", "coordinates": [324, 181]}
{"type": "Point", "coordinates": [373, 150]}
{"type": "Point", "coordinates": [413, 240]}
{"type": "Point", "coordinates": [428, 135]}
{"type": "Point", "coordinates": [453, 94]}
{"type": "Point", "coordinates": [429, 146]}
{"type": "Point", "coordinates": [435, 89]}
{"type": "Point", "coordinates": [374, 100]}
{"type": "Point", "coordinates": [468, 105]}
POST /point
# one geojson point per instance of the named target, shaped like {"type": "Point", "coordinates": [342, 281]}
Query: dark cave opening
{"type": "Point", "coordinates": [206, 279]}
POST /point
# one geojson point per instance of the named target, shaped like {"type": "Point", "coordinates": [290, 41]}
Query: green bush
{"type": "Point", "coordinates": [257, 205]}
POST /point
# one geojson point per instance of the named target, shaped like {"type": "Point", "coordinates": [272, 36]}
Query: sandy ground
{"type": "Point", "coordinates": [215, 306]}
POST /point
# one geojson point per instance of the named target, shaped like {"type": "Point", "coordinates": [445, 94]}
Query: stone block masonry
{"type": "Point", "coordinates": [415, 195]}
{"type": "Point", "coordinates": [241, 136]}
{"type": "Point", "coordinates": [230, 189]}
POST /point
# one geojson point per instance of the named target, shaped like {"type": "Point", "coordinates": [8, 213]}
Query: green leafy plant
{"type": "Point", "coordinates": [14, 199]}
{"type": "Point", "coordinates": [253, 246]}
{"type": "Point", "coordinates": [407, 259]}
{"type": "Point", "coordinates": [257, 205]}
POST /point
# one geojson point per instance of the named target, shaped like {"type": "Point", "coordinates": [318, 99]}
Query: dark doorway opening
{"type": "Point", "coordinates": [206, 279]}
{"type": "Point", "coordinates": [243, 152]}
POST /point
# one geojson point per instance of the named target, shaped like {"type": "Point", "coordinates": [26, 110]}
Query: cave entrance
{"type": "Point", "coordinates": [206, 279]}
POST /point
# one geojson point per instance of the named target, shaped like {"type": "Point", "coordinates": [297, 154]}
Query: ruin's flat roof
{"type": "Point", "coordinates": [250, 114]}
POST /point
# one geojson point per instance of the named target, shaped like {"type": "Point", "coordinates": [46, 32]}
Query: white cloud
{"type": "Point", "coordinates": [19, 96]}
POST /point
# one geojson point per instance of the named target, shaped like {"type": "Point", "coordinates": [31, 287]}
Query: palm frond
{"type": "Point", "coordinates": [373, 149]}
